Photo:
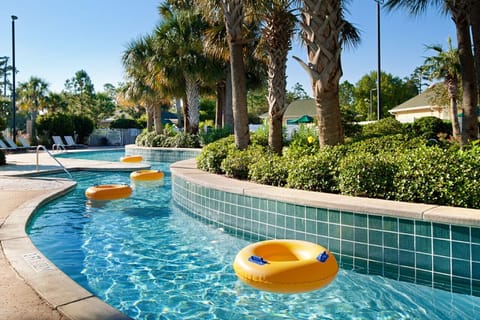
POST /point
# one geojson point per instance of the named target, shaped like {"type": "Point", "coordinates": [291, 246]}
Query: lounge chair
{"type": "Point", "coordinates": [26, 144]}
{"type": "Point", "coordinates": [71, 143]}
{"type": "Point", "coordinates": [3, 146]}
{"type": "Point", "coordinates": [58, 143]}
{"type": "Point", "coordinates": [12, 146]}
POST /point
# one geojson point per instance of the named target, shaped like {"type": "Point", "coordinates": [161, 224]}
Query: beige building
{"type": "Point", "coordinates": [418, 107]}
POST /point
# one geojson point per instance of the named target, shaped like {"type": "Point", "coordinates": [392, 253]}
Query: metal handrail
{"type": "Point", "coordinates": [58, 147]}
{"type": "Point", "coordinates": [61, 165]}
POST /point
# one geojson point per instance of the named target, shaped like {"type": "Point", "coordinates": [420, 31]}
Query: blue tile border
{"type": "Point", "coordinates": [162, 154]}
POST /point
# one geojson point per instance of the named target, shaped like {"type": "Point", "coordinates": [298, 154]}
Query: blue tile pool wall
{"type": "Point", "coordinates": [436, 255]}
{"type": "Point", "coordinates": [164, 154]}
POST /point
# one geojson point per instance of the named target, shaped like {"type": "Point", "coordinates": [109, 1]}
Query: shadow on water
{"type": "Point", "coordinates": [147, 212]}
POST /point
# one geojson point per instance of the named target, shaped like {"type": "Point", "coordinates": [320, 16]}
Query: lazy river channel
{"type": "Point", "coordinates": [148, 259]}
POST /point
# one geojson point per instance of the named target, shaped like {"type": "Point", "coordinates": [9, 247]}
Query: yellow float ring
{"type": "Point", "coordinates": [131, 159]}
{"type": "Point", "coordinates": [285, 266]}
{"type": "Point", "coordinates": [108, 192]}
{"type": "Point", "coordinates": [146, 175]}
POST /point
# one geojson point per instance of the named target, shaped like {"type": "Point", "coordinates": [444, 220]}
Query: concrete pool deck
{"type": "Point", "coordinates": [31, 286]}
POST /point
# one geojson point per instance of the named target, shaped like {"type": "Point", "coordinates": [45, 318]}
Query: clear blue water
{"type": "Point", "coordinates": [151, 261]}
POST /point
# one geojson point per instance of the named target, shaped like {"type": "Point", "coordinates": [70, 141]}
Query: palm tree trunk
{"type": "Point", "coordinates": [186, 121]}
{"type": "Point", "coordinates": [178, 107]}
{"type": "Point", "coordinates": [193, 98]}
{"type": "Point", "coordinates": [149, 118]}
{"type": "Point", "coordinates": [220, 105]}
{"type": "Point", "coordinates": [275, 134]}
{"type": "Point", "coordinates": [157, 118]}
{"type": "Point", "coordinates": [452, 90]}
{"type": "Point", "coordinates": [475, 27]}
{"type": "Point", "coordinates": [278, 31]}
{"type": "Point", "coordinates": [239, 97]}
{"type": "Point", "coordinates": [470, 117]}
{"type": "Point", "coordinates": [321, 26]}
{"type": "Point", "coordinates": [328, 113]}
{"type": "Point", "coordinates": [234, 15]}
{"type": "Point", "coordinates": [228, 111]}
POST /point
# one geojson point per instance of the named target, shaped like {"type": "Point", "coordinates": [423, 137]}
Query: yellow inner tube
{"type": "Point", "coordinates": [108, 192]}
{"type": "Point", "coordinates": [285, 266]}
{"type": "Point", "coordinates": [146, 175]}
{"type": "Point", "coordinates": [131, 159]}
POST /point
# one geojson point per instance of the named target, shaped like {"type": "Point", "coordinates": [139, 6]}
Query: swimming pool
{"type": "Point", "coordinates": [152, 261]}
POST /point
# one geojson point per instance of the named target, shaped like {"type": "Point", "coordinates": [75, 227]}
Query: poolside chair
{"type": "Point", "coordinates": [4, 147]}
{"type": "Point", "coordinates": [58, 143]}
{"type": "Point", "coordinates": [71, 143]}
{"type": "Point", "coordinates": [12, 145]}
{"type": "Point", "coordinates": [26, 144]}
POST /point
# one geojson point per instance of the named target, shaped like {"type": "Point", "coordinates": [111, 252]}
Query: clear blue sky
{"type": "Point", "coordinates": [56, 38]}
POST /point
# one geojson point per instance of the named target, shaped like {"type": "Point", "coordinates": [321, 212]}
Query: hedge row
{"type": "Point", "coordinates": [168, 139]}
{"type": "Point", "coordinates": [395, 167]}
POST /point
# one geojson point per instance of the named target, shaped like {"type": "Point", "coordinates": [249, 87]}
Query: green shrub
{"type": "Point", "coordinates": [386, 144]}
{"type": "Point", "coordinates": [124, 123]}
{"type": "Point", "coordinates": [315, 172]}
{"type": "Point", "coordinates": [237, 162]}
{"type": "Point", "coordinates": [260, 136]}
{"type": "Point", "coordinates": [438, 176]}
{"type": "Point", "coordinates": [430, 127]}
{"type": "Point", "coordinates": [349, 123]}
{"type": "Point", "coordinates": [168, 139]}
{"type": "Point", "coordinates": [270, 169]}
{"type": "Point", "coordinates": [83, 126]}
{"type": "Point", "coordinates": [305, 136]}
{"type": "Point", "coordinates": [145, 139]}
{"type": "Point", "coordinates": [466, 179]}
{"type": "Point", "coordinates": [367, 175]}
{"type": "Point", "coordinates": [3, 124]}
{"type": "Point", "coordinates": [386, 126]}
{"type": "Point", "coordinates": [425, 175]}
{"type": "Point", "coordinates": [212, 155]}
{"type": "Point", "coordinates": [54, 124]}
{"type": "Point", "coordinates": [213, 134]}
{"type": "Point", "coordinates": [181, 140]}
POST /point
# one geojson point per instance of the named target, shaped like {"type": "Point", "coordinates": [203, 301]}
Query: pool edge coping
{"type": "Point", "coordinates": [53, 286]}
{"type": "Point", "coordinates": [187, 169]}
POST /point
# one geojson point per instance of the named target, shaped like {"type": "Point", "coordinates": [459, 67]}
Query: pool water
{"type": "Point", "coordinates": [150, 260]}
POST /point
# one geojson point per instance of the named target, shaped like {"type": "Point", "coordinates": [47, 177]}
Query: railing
{"type": "Point", "coordinates": [56, 160]}
{"type": "Point", "coordinates": [57, 147]}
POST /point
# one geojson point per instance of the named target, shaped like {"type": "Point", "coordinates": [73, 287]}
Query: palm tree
{"type": "Point", "coordinates": [233, 12]}
{"type": "Point", "coordinates": [278, 29]}
{"type": "Point", "coordinates": [216, 46]}
{"type": "Point", "coordinates": [33, 97]}
{"type": "Point", "coordinates": [56, 102]}
{"type": "Point", "coordinates": [446, 65]}
{"type": "Point", "coordinates": [324, 31]}
{"type": "Point", "coordinates": [140, 88]}
{"type": "Point", "coordinates": [459, 10]}
{"type": "Point", "coordinates": [180, 55]}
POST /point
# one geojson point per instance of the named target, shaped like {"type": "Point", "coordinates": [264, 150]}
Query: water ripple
{"type": "Point", "coordinates": [151, 261]}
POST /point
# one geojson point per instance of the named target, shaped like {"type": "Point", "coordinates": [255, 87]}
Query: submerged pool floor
{"type": "Point", "coordinates": [151, 261]}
